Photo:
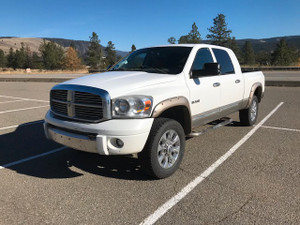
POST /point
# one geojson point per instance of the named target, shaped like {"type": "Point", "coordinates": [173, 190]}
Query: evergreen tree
{"type": "Point", "coordinates": [37, 61]}
{"type": "Point", "coordinates": [3, 60]}
{"type": "Point", "coordinates": [194, 36]}
{"type": "Point", "coordinates": [133, 48]}
{"type": "Point", "coordinates": [232, 44]}
{"type": "Point", "coordinates": [248, 54]}
{"type": "Point", "coordinates": [172, 40]}
{"type": "Point", "coordinates": [111, 55]}
{"type": "Point", "coordinates": [184, 39]}
{"type": "Point", "coordinates": [72, 61]}
{"type": "Point", "coordinates": [11, 59]}
{"type": "Point", "coordinates": [94, 54]}
{"type": "Point", "coordinates": [52, 55]}
{"type": "Point", "coordinates": [219, 34]}
{"type": "Point", "coordinates": [263, 58]}
{"type": "Point", "coordinates": [20, 57]}
{"type": "Point", "coordinates": [283, 55]}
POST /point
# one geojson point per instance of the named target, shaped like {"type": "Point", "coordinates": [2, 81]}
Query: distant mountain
{"type": "Point", "coordinates": [269, 44]}
{"type": "Point", "coordinates": [81, 46]}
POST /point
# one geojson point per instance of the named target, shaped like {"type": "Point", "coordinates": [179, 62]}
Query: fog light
{"type": "Point", "coordinates": [119, 143]}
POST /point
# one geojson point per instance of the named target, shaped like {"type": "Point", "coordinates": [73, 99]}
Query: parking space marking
{"type": "Point", "coordinates": [17, 110]}
{"type": "Point", "coordinates": [163, 209]}
{"type": "Point", "coordinates": [20, 100]}
{"type": "Point", "coordinates": [25, 99]}
{"type": "Point", "coordinates": [281, 128]}
{"type": "Point", "coordinates": [20, 125]}
{"type": "Point", "coordinates": [31, 158]}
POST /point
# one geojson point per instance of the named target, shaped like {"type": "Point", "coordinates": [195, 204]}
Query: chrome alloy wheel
{"type": "Point", "coordinates": [253, 111]}
{"type": "Point", "coordinates": [168, 149]}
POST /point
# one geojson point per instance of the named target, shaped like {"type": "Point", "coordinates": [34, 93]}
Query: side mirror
{"type": "Point", "coordinates": [209, 69]}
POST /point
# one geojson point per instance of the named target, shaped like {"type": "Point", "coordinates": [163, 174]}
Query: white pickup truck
{"type": "Point", "coordinates": [150, 101]}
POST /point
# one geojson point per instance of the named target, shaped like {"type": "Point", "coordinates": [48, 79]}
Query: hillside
{"type": "Point", "coordinates": [13, 42]}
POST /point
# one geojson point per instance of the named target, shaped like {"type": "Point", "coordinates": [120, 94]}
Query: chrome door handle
{"type": "Point", "coordinates": [237, 81]}
{"type": "Point", "coordinates": [216, 84]}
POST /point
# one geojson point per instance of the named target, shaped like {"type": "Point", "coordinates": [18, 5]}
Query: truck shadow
{"type": "Point", "coordinates": [28, 140]}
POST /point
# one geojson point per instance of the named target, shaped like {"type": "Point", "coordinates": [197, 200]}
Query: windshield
{"type": "Point", "coordinates": [166, 60]}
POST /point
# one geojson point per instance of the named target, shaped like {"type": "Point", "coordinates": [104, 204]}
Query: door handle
{"type": "Point", "coordinates": [217, 84]}
{"type": "Point", "coordinates": [237, 81]}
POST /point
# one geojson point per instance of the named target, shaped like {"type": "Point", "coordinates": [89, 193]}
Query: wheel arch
{"type": "Point", "coordinates": [256, 90]}
{"type": "Point", "coordinates": [176, 108]}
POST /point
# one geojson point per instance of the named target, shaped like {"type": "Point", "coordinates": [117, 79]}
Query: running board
{"type": "Point", "coordinates": [224, 123]}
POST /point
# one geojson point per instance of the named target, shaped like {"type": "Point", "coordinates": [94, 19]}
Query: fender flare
{"type": "Point", "coordinates": [253, 89]}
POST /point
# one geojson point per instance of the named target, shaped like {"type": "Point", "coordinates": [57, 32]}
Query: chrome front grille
{"type": "Point", "coordinates": [80, 105]}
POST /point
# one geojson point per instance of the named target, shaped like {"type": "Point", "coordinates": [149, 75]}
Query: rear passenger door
{"type": "Point", "coordinates": [231, 83]}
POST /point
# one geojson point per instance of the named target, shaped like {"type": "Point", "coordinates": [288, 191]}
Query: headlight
{"type": "Point", "coordinates": [132, 106]}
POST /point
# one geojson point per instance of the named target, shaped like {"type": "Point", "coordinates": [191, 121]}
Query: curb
{"type": "Point", "coordinates": [59, 80]}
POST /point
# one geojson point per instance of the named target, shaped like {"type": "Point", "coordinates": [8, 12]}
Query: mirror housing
{"type": "Point", "coordinates": [209, 69]}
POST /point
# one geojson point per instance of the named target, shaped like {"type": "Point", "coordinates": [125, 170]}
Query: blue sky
{"type": "Point", "coordinates": [145, 22]}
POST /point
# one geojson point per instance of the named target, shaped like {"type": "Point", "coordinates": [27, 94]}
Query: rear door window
{"type": "Point", "coordinates": [224, 60]}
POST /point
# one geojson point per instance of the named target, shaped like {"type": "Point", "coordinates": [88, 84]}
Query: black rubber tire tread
{"type": "Point", "coordinates": [148, 158]}
{"type": "Point", "coordinates": [244, 114]}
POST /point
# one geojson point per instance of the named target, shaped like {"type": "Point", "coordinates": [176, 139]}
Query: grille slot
{"type": "Point", "coordinates": [77, 105]}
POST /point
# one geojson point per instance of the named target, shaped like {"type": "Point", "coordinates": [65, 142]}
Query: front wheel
{"type": "Point", "coordinates": [248, 116]}
{"type": "Point", "coordinates": [164, 149]}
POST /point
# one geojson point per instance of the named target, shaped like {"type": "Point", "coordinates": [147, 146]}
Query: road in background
{"type": "Point", "coordinates": [258, 184]}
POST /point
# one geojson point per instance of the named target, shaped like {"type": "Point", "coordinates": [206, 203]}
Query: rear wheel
{"type": "Point", "coordinates": [164, 149]}
{"type": "Point", "coordinates": [248, 116]}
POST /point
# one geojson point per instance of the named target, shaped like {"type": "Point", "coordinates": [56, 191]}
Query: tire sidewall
{"type": "Point", "coordinates": [159, 171]}
{"type": "Point", "coordinates": [252, 122]}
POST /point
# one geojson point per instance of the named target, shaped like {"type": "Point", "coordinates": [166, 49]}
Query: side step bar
{"type": "Point", "coordinates": [224, 123]}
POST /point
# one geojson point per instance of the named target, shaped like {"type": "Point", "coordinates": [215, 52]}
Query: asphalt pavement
{"type": "Point", "coordinates": [257, 182]}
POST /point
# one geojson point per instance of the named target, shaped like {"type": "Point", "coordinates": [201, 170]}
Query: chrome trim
{"type": "Point", "coordinates": [106, 101]}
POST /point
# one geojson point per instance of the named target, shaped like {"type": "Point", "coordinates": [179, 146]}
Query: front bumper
{"type": "Point", "coordinates": [102, 137]}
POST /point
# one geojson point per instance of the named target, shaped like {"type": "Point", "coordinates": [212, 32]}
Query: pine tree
{"type": "Point", "coordinates": [52, 55]}
{"type": "Point", "coordinates": [172, 40]}
{"type": "Point", "coordinates": [219, 34]}
{"type": "Point", "coordinates": [194, 36]}
{"type": "Point", "coordinates": [11, 59]}
{"type": "Point", "coordinates": [284, 55]}
{"type": "Point", "coordinates": [3, 60]}
{"type": "Point", "coordinates": [20, 57]}
{"type": "Point", "coordinates": [184, 39]}
{"type": "Point", "coordinates": [71, 60]}
{"type": "Point", "coordinates": [111, 55]}
{"type": "Point", "coordinates": [94, 54]}
{"type": "Point", "coordinates": [133, 48]}
{"type": "Point", "coordinates": [232, 44]}
{"type": "Point", "coordinates": [248, 54]}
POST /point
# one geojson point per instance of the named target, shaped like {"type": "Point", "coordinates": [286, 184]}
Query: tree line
{"type": "Point", "coordinates": [52, 56]}
{"type": "Point", "coordinates": [220, 35]}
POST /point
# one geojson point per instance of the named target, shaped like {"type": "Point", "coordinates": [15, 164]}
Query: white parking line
{"type": "Point", "coordinates": [20, 125]}
{"type": "Point", "coordinates": [281, 128]}
{"type": "Point", "coordinates": [17, 110]}
{"type": "Point", "coordinates": [31, 158]}
{"type": "Point", "coordinates": [20, 100]}
{"type": "Point", "coordinates": [187, 189]}
{"type": "Point", "coordinates": [25, 99]}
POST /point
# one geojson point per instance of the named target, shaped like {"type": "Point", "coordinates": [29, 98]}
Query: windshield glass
{"type": "Point", "coordinates": [166, 60]}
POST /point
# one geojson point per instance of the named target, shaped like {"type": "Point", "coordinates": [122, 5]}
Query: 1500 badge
{"type": "Point", "coordinates": [196, 101]}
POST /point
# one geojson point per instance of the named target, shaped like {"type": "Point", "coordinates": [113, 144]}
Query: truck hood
{"type": "Point", "coordinates": [122, 82]}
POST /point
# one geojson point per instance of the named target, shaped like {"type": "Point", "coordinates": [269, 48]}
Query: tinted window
{"type": "Point", "coordinates": [225, 62]}
{"type": "Point", "coordinates": [203, 56]}
{"type": "Point", "coordinates": [167, 60]}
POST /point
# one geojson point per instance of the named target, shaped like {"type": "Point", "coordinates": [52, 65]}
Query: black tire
{"type": "Point", "coordinates": [248, 116]}
{"type": "Point", "coordinates": [161, 149]}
